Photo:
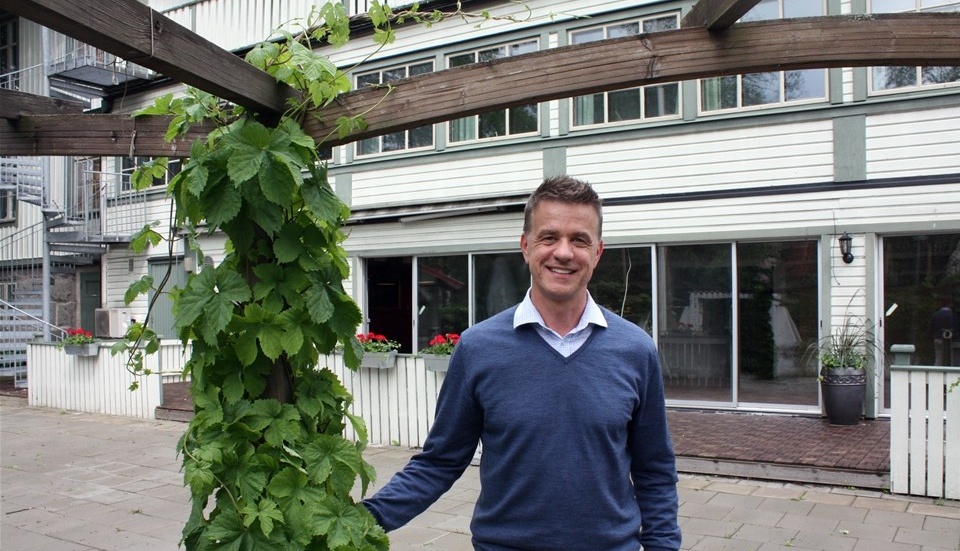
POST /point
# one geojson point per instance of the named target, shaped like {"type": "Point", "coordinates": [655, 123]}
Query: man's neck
{"type": "Point", "coordinates": [561, 318]}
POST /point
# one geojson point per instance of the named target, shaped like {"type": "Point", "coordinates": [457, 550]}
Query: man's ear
{"type": "Point", "coordinates": [523, 246]}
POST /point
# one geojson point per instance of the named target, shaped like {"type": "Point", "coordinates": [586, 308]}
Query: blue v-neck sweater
{"type": "Point", "coordinates": [576, 452]}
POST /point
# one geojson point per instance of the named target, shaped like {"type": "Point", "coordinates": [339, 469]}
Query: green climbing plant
{"type": "Point", "coordinates": [265, 457]}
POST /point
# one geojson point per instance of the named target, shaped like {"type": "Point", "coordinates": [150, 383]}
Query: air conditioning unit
{"type": "Point", "coordinates": [111, 323]}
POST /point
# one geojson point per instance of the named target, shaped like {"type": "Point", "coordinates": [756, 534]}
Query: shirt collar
{"type": "Point", "coordinates": [526, 313]}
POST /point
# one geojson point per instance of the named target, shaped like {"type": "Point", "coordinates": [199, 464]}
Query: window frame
{"type": "Point", "coordinates": [475, 122]}
{"type": "Point", "coordinates": [605, 30]}
{"type": "Point", "coordinates": [918, 84]}
{"type": "Point", "coordinates": [357, 147]}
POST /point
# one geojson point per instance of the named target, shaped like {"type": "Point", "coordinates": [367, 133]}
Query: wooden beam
{"type": "Point", "coordinates": [134, 32]}
{"type": "Point", "coordinates": [669, 56]}
{"type": "Point", "coordinates": [94, 135]}
{"type": "Point", "coordinates": [14, 104]}
{"type": "Point", "coordinates": [717, 14]}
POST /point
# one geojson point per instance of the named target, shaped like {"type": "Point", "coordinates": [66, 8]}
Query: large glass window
{"type": "Point", "coordinates": [623, 282]}
{"type": "Point", "coordinates": [921, 275]}
{"type": "Point", "coordinates": [899, 78]}
{"type": "Point", "coordinates": [645, 102]}
{"type": "Point", "coordinates": [695, 321]}
{"type": "Point", "coordinates": [443, 294]}
{"type": "Point", "coordinates": [772, 88]}
{"type": "Point", "coordinates": [128, 166]}
{"type": "Point", "coordinates": [495, 124]}
{"type": "Point", "coordinates": [777, 320]}
{"type": "Point", "coordinates": [419, 137]}
{"type": "Point", "coordinates": [501, 280]}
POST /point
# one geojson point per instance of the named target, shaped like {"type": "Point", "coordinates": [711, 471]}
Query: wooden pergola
{"type": "Point", "coordinates": [708, 44]}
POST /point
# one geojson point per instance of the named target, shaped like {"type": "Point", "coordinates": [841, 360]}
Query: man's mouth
{"type": "Point", "coordinates": [561, 271]}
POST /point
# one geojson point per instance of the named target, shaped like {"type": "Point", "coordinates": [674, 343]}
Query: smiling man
{"type": "Point", "coordinates": [567, 400]}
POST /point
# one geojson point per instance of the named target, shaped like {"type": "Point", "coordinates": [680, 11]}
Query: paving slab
{"type": "Point", "coordinates": [86, 482]}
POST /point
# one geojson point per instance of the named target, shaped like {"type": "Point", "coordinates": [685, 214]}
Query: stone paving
{"type": "Point", "coordinates": [84, 482]}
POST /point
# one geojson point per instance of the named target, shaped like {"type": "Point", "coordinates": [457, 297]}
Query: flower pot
{"type": "Point", "coordinates": [379, 360]}
{"type": "Point", "coordinates": [87, 349]}
{"type": "Point", "coordinates": [843, 393]}
{"type": "Point", "coordinates": [436, 362]}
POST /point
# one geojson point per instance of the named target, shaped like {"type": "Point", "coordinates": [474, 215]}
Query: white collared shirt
{"type": "Point", "coordinates": [567, 344]}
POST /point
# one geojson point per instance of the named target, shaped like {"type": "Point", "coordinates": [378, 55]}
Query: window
{"type": "Point", "coordinates": [495, 124]}
{"type": "Point", "coordinates": [416, 138]}
{"type": "Point", "coordinates": [770, 89]}
{"type": "Point", "coordinates": [883, 79]}
{"type": "Point", "coordinates": [128, 166]}
{"type": "Point", "coordinates": [451, 293]}
{"type": "Point", "coordinates": [9, 54]}
{"type": "Point", "coordinates": [623, 283]}
{"type": "Point", "coordinates": [645, 102]}
{"type": "Point", "coordinates": [8, 205]}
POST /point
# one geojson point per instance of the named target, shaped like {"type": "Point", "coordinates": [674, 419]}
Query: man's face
{"type": "Point", "coordinates": [562, 249]}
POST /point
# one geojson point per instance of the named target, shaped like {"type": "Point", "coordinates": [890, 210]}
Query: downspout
{"type": "Point", "coordinates": [46, 272]}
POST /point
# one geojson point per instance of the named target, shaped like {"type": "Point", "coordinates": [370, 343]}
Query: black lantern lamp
{"type": "Point", "coordinates": [845, 244]}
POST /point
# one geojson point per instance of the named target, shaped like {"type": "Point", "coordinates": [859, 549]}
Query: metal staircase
{"type": "Point", "coordinates": [97, 213]}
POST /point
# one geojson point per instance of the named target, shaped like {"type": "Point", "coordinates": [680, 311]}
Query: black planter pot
{"type": "Point", "coordinates": [843, 394]}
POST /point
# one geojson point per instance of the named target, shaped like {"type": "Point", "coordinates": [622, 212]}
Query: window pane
{"type": "Point", "coordinates": [491, 54]}
{"type": "Point", "coordinates": [777, 319]}
{"type": "Point", "coordinates": [394, 142]}
{"type": "Point", "coordinates": [623, 283]}
{"type": "Point", "coordinates": [940, 75]}
{"type": "Point", "coordinates": [524, 47]}
{"type": "Point", "coordinates": [588, 110]}
{"type": "Point", "coordinates": [590, 35]}
{"type": "Point", "coordinates": [718, 93]}
{"type": "Point", "coordinates": [660, 24]}
{"type": "Point", "coordinates": [463, 129]}
{"type": "Point", "coordinates": [761, 88]}
{"type": "Point", "coordinates": [920, 275]}
{"type": "Point", "coordinates": [626, 29]}
{"type": "Point", "coordinates": [369, 79]}
{"type": "Point", "coordinates": [462, 59]}
{"type": "Point", "coordinates": [887, 78]}
{"type": "Point", "coordinates": [501, 281]}
{"type": "Point", "coordinates": [421, 136]}
{"type": "Point", "coordinates": [624, 105]}
{"type": "Point", "coordinates": [802, 8]}
{"type": "Point", "coordinates": [695, 322]}
{"type": "Point", "coordinates": [442, 295]}
{"type": "Point", "coordinates": [368, 146]}
{"type": "Point", "coordinates": [523, 119]}
{"type": "Point", "coordinates": [394, 74]}
{"type": "Point", "coordinates": [662, 100]}
{"type": "Point", "coordinates": [808, 84]}
{"type": "Point", "coordinates": [891, 6]}
{"type": "Point", "coordinates": [493, 124]}
{"type": "Point", "coordinates": [765, 10]}
{"type": "Point", "coordinates": [420, 68]}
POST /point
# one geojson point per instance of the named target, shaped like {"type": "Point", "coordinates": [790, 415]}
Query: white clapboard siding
{"type": "Point", "coordinates": [506, 174]}
{"type": "Point", "coordinates": [913, 143]}
{"type": "Point", "coordinates": [95, 384]}
{"type": "Point", "coordinates": [397, 404]}
{"type": "Point", "coordinates": [925, 431]}
{"type": "Point", "coordinates": [707, 161]}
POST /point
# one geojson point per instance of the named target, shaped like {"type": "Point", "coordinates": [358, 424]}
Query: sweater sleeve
{"type": "Point", "coordinates": [653, 467]}
{"type": "Point", "coordinates": [447, 452]}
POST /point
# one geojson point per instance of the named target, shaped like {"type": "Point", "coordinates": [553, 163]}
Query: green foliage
{"type": "Point", "coordinates": [266, 442]}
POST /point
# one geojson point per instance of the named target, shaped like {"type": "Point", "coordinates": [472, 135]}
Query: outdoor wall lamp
{"type": "Point", "coordinates": [845, 244]}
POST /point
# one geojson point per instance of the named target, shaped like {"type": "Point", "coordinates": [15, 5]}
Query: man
{"type": "Point", "coordinates": [567, 400]}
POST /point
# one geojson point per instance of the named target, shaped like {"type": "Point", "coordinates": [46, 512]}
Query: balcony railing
{"type": "Point", "coordinates": [90, 65]}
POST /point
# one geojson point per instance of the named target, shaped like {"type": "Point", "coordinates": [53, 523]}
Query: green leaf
{"type": "Point", "coordinates": [139, 287]}
{"type": "Point", "coordinates": [146, 235]}
{"type": "Point", "coordinates": [265, 511]}
{"type": "Point", "coordinates": [246, 349]}
{"type": "Point", "coordinates": [221, 202]}
{"type": "Point", "coordinates": [246, 144]}
{"type": "Point", "coordinates": [194, 298]}
{"type": "Point", "coordinates": [278, 179]}
{"type": "Point", "coordinates": [288, 244]}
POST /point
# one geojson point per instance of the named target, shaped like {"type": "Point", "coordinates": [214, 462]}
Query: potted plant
{"type": "Point", "coordinates": [436, 355]}
{"type": "Point", "coordinates": [379, 352]}
{"type": "Point", "coordinates": [844, 357]}
{"type": "Point", "coordinates": [79, 342]}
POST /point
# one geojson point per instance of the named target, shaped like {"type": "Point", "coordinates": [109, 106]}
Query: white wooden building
{"type": "Point", "coordinates": [724, 199]}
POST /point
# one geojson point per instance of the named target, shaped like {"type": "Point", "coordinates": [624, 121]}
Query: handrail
{"type": "Point", "coordinates": [58, 331]}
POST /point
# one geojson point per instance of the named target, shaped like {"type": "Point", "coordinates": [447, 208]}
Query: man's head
{"type": "Point", "coordinates": [561, 243]}
{"type": "Point", "coordinates": [563, 189]}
